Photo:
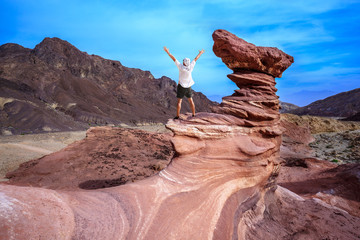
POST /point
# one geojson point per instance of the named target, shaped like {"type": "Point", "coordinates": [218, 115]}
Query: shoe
{"type": "Point", "coordinates": [177, 117]}
{"type": "Point", "coordinates": [193, 115]}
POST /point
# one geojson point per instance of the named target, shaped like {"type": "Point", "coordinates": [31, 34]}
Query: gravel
{"type": "Point", "coordinates": [340, 147]}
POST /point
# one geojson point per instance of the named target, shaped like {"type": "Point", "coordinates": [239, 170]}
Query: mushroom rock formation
{"type": "Point", "coordinates": [220, 185]}
{"type": "Point", "coordinates": [236, 146]}
{"type": "Point", "coordinates": [238, 54]}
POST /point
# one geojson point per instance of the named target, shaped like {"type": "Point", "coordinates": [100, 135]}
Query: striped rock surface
{"type": "Point", "coordinates": [214, 188]}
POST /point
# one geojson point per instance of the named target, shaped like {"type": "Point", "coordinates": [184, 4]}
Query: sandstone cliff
{"type": "Point", "coordinates": [56, 87]}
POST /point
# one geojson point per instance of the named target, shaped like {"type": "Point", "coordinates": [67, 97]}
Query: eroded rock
{"type": "Point", "coordinates": [107, 157]}
{"type": "Point", "coordinates": [236, 53]}
{"type": "Point", "coordinates": [220, 184]}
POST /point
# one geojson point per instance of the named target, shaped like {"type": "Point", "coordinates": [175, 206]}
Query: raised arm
{"type": "Point", "coordinates": [170, 55]}
{"type": "Point", "coordinates": [200, 52]}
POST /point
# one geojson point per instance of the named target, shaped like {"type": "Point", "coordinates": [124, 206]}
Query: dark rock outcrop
{"type": "Point", "coordinates": [345, 104]}
{"type": "Point", "coordinates": [355, 117]}
{"type": "Point", "coordinates": [56, 87]}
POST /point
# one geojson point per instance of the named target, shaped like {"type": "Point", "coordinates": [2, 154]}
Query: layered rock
{"type": "Point", "coordinates": [224, 161]}
{"type": "Point", "coordinates": [220, 185]}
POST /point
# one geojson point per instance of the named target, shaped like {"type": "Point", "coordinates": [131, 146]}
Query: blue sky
{"type": "Point", "coordinates": [323, 37]}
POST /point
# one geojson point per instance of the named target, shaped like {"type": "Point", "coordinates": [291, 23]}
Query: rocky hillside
{"type": "Point", "coordinates": [286, 107]}
{"type": "Point", "coordinates": [56, 87]}
{"type": "Point", "coordinates": [344, 104]}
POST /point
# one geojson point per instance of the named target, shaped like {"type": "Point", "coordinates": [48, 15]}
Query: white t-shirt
{"type": "Point", "coordinates": [185, 78]}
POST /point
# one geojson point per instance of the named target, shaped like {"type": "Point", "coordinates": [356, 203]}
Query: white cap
{"type": "Point", "coordinates": [186, 62]}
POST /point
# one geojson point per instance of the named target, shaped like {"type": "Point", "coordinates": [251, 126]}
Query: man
{"type": "Point", "coordinates": [185, 81]}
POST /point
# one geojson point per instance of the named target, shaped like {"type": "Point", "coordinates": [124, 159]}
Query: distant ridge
{"type": "Point", "coordinates": [286, 107]}
{"type": "Point", "coordinates": [57, 87]}
{"type": "Point", "coordinates": [343, 105]}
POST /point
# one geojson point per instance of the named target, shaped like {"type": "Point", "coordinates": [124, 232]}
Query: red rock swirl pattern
{"type": "Point", "coordinates": [221, 171]}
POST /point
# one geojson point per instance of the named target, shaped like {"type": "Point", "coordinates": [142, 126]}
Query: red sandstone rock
{"type": "Point", "coordinates": [286, 215]}
{"type": "Point", "coordinates": [295, 144]}
{"type": "Point", "coordinates": [236, 53]}
{"type": "Point", "coordinates": [338, 186]}
{"type": "Point", "coordinates": [220, 185]}
{"type": "Point", "coordinates": [107, 157]}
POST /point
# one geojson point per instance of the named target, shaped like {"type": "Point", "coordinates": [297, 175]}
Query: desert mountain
{"type": "Point", "coordinates": [345, 104]}
{"type": "Point", "coordinates": [55, 86]}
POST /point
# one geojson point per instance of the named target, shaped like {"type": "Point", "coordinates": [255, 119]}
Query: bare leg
{"type": "Point", "coordinates": [192, 105]}
{"type": "Point", "coordinates": [178, 107]}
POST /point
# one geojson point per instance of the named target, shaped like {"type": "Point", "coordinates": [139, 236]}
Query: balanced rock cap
{"type": "Point", "coordinates": [238, 54]}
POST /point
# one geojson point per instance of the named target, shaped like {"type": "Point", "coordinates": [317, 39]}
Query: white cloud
{"type": "Point", "coordinates": [283, 36]}
{"type": "Point", "coordinates": [324, 74]}
{"type": "Point", "coordinates": [310, 58]}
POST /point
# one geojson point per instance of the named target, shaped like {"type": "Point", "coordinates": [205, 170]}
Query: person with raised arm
{"type": "Point", "coordinates": [185, 81]}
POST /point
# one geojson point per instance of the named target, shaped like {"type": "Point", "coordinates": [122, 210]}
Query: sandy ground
{"type": "Point", "coordinates": [17, 149]}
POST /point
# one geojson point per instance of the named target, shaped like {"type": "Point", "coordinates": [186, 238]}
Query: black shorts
{"type": "Point", "coordinates": [181, 92]}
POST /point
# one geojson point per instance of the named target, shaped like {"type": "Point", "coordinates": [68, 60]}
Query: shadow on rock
{"type": "Point", "coordinates": [106, 183]}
